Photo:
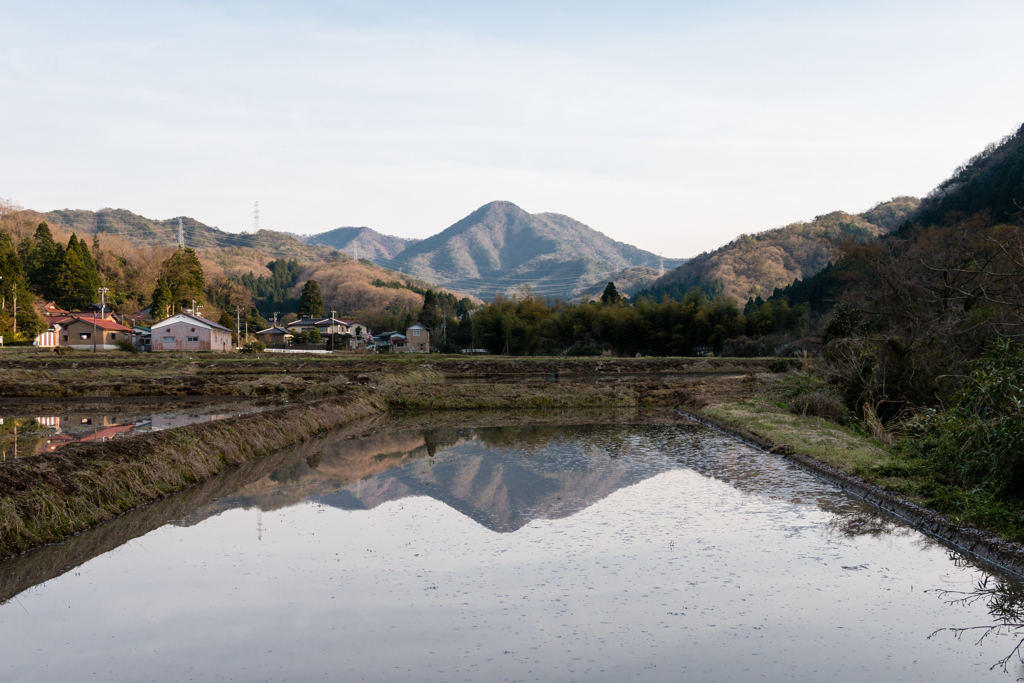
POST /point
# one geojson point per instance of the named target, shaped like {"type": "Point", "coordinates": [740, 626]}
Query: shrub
{"type": "Point", "coordinates": [254, 347]}
{"type": "Point", "coordinates": [780, 365]}
{"type": "Point", "coordinates": [978, 442]}
{"type": "Point", "coordinates": [808, 394]}
{"type": "Point", "coordinates": [125, 345]}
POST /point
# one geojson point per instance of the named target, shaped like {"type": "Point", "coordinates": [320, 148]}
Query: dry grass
{"type": "Point", "coordinates": [826, 441]}
{"type": "Point", "coordinates": [44, 498]}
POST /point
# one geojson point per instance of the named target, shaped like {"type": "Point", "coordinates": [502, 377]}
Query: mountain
{"type": "Point", "coordinates": [755, 265]}
{"type": "Point", "coordinates": [147, 232]}
{"type": "Point", "coordinates": [500, 246]}
{"type": "Point", "coordinates": [361, 242]}
{"type": "Point", "coordinates": [991, 183]}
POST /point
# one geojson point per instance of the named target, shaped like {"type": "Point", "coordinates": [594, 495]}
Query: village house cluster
{"type": "Point", "coordinates": [98, 328]}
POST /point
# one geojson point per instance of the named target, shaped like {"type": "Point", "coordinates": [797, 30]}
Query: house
{"type": "Point", "coordinates": [304, 325]}
{"type": "Point", "coordinates": [51, 309]}
{"type": "Point", "coordinates": [187, 332]}
{"type": "Point", "coordinates": [87, 334]}
{"type": "Point", "coordinates": [382, 341]}
{"type": "Point", "coordinates": [418, 338]}
{"type": "Point", "coordinates": [104, 311]}
{"type": "Point", "coordinates": [353, 327]}
{"type": "Point", "coordinates": [398, 343]}
{"type": "Point", "coordinates": [142, 338]}
{"type": "Point", "coordinates": [415, 340]}
{"type": "Point", "coordinates": [274, 336]}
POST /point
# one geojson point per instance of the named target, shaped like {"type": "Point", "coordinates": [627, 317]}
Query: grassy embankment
{"type": "Point", "coordinates": [879, 469]}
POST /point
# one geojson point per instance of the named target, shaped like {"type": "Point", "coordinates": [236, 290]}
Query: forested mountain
{"type": "Point", "coordinates": [755, 265]}
{"type": "Point", "coordinates": [500, 246]}
{"type": "Point", "coordinates": [142, 231]}
{"type": "Point", "coordinates": [361, 242]}
{"type": "Point", "coordinates": [991, 184]}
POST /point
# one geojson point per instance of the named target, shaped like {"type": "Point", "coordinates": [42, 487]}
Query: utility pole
{"type": "Point", "coordinates": [275, 318]}
{"type": "Point", "coordinates": [238, 323]}
{"type": "Point", "coordinates": [103, 300]}
{"type": "Point", "coordinates": [331, 328]}
{"type": "Point", "coordinates": [94, 331]}
{"type": "Point", "coordinates": [14, 309]}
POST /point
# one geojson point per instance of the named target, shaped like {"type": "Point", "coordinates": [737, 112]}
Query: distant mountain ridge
{"type": "Point", "coordinates": [500, 246]}
{"type": "Point", "coordinates": [491, 251]}
{"type": "Point", "coordinates": [143, 231]}
{"type": "Point", "coordinates": [755, 265]}
{"type": "Point", "coordinates": [361, 242]}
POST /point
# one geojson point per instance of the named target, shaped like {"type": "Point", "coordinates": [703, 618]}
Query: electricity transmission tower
{"type": "Point", "coordinates": [256, 218]}
{"type": "Point", "coordinates": [181, 235]}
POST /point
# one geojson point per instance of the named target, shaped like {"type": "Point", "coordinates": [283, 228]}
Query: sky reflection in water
{"type": "Point", "coordinates": [656, 552]}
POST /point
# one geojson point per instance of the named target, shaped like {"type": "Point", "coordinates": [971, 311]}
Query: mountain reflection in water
{"type": "Point", "coordinates": [417, 548]}
{"type": "Point", "coordinates": [504, 477]}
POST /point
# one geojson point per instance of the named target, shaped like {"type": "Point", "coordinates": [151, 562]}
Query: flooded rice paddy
{"type": "Point", "coordinates": [659, 551]}
{"type": "Point", "coordinates": [27, 431]}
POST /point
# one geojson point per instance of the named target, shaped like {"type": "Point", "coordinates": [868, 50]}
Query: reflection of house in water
{"type": "Point", "coordinates": [91, 428]}
{"type": "Point", "coordinates": [79, 429]}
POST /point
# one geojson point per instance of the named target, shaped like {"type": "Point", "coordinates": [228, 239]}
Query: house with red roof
{"type": "Point", "coordinates": [93, 334]}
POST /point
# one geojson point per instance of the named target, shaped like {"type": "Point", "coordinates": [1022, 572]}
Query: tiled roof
{"type": "Point", "coordinates": [103, 324]}
{"type": "Point", "coordinates": [274, 330]}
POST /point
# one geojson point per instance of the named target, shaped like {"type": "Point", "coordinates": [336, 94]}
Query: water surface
{"type": "Point", "coordinates": [591, 552]}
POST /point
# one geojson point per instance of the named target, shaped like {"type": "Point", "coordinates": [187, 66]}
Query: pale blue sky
{"type": "Point", "coordinates": [672, 126]}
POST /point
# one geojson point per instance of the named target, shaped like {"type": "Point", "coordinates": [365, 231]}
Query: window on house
{"type": "Point", "coordinates": [85, 335]}
{"type": "Point", "coordinates": [415, 333]}
{"type": "Point", "coordinates": [168, 340]}
{"type": "Point", "coordinates": [192, 339]}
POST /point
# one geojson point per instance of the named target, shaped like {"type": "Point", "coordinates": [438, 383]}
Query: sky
{"type": "Point", "coordinates": [674, 126]}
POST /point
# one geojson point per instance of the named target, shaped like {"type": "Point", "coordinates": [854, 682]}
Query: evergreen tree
{"type": "Point", "coordinates": [182, 275]}
{"type": "Point", "coordinates": [42, 257]}
{"type": "Point", "coordinates": [610, 295]}
{"type": "Point", "coordinates": [311, 305]}
{"type": "Point", "coordinates": [162, 298]}
{"type": "Point", "coordinates": [431, 316]}
{"type": "Point", "coordinates": [226, 320]}
{"type": "Point", "coordinates": [16, 296]}
{"type": "Point", "coordinates": [76, 279]}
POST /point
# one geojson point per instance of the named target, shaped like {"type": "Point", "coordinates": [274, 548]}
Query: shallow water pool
{"type": "Point", "coordinates": [600, 552]}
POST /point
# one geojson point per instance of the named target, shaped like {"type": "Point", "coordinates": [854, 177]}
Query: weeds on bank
{"type": "Point", "coordinates": [965, 461]}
